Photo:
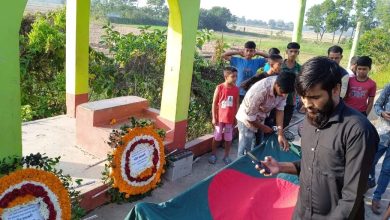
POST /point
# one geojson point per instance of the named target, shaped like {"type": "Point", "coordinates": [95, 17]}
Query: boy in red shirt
{"type": "Point", "coordinates": [225, 106]}
{"type": "Point", "coordinates": [361, 89]}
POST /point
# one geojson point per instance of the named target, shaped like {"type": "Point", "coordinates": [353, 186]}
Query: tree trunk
{"type": "Point", "coordinates": [322, 35]}
{"type": "Point", "coordinates": [342, 31]}
{"type": "Point", "coordinates": [334, 33]}
{"type": "Point", "coordinates": [317, 36]}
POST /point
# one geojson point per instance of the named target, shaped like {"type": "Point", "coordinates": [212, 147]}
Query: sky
{"type": "Point", "coordinates": [265, 10]}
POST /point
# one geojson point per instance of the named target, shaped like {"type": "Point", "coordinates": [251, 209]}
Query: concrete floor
{"type": "Point", "coordinates": [56, 137]}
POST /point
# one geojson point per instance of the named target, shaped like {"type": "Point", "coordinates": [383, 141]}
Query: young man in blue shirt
{"type": "Point", "coordinates": [245, 64]}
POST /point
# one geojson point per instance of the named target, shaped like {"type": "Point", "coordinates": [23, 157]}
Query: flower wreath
{"type": "Point", "coordinates": [32, 186]}
{"type": "Point", "coordinates": [138, 161]}
{"type": "Point", "coordinates": [31, 183]}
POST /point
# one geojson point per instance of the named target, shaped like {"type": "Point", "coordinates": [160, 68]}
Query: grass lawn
{"type": "Point", "coordinates": [381, 77]}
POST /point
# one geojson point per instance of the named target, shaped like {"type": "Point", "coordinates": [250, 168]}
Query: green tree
{"type": "Point", "coordinates": [332, 20]}
{"type": "Point", "coordinates": [376, 44]}
{"type": "Point", "coordinates": [315, 18]}
{"type": "Point", "coordinates": [383, 13]}
{"type": "Point", "coordinates": [155, 3]}
{"type": "Point", "coordinates": [216, 18]}
{"type": "Point", "coordinates": [344, 8]}
{"type": "Point", "coordinates": [353, 24]}
{"type": "Point", "coordinates": [158, 6]}
{"type": "Point", "coordinates": [101, 8]}
{"type": "Point", "coordinates": [365, 12]}
{"type": "Point", "coordinates": [272, 23]}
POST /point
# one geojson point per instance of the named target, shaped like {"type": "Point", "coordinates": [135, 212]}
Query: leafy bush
{"type": "Point", "coordinates": [136, 67]}
{"type": "Point", "coordinates": [376, 44]}
{"type": "Point", "coordinates": [27, 113]}
{"type": "Point", "coordinates": [42, 60]}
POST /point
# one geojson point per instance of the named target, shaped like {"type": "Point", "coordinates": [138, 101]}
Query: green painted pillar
{"type": "Point", "coordinates": [77, 54]}
{"type": "Point", "coordinates": [182, 27]}
{"type": "Point", "coordinates": [297, 34]}
{"type": "Point", "coordinates": [11, 13]}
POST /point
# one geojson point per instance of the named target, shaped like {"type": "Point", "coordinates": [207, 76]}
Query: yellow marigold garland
{"type": "Point", "coordinates": [47, 179]}
{"type": "Point", "coordinates": [116, 172]}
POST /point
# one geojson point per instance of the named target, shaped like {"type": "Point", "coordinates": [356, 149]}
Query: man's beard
{"type": "Point", "coordinates": [319, 118]}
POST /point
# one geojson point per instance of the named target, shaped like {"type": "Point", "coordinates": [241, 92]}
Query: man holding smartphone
{"type": "Point", "coordinates": [336, 148]}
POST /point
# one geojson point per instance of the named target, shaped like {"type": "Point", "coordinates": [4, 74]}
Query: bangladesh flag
{"type": "Point", "coordinates": [238, 191]}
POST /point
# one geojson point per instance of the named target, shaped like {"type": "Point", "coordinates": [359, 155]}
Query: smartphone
{"type": "Point", "coordinates": [258, 162]}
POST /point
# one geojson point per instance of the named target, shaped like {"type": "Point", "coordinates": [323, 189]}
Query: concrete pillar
{"type": "Point", "coordinates": [297, 34]}
{"type": "Point", "coordinates": [355, 43]}
{"type": "Point", "coordinates": [77, 54]}
{"type": "Point", "coordinates": [11, 13]}
{"type": "Point", "coordinates": [183, 24]}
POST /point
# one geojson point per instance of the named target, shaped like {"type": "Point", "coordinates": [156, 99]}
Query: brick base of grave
{"type": "Point", "coordinates": [93, 126]}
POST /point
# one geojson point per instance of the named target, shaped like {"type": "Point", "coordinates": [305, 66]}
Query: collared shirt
{"type": "Point", "coordinates": [335, 164]}
{"type": "Point", "coordinates": [247, 84]}
{"type": "Point", "coordinates": [296, 69]}
{"type": "Point", "coordinates": [259, 101]}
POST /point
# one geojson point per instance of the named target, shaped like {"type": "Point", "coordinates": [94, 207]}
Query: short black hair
{"type": "Point", "coordinates": [275, 57]}
{"type": "Point", "coordinates": [286, 82]}
{"type": "Point", "coordinates": [318, 71]}
{"type": "Point", "coordinates": [293, 45]}
{"type": "Point", "coordinates": [250, 45]}
{"type": "Point", "coordinates": [230, 69]}
{"type": "Point", "coordinates": [364, 61]}
{"type": "Point", "coordinates": [335, 49]}
{"type": "Point", "coordinates": [273, 50]}
{"type": "Point", "coordinates": [354, 60]}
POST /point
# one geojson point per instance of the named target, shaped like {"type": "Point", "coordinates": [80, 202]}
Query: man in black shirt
{"type": "Point", "coordinates": [337, 148]}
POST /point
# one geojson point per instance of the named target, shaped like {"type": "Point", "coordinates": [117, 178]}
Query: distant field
{"type": "Point", "coordinates": [41, 6]}
{"type": "Point", "coordinates": [236, 40]}
{"type": "Point", "coordinates": [309, 47]}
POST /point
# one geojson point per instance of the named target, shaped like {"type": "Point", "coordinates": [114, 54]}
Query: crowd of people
{"type": "Point", "coordinates": [340, 146]}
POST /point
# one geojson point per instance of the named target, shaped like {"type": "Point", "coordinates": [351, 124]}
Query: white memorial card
{"type": "Point", "coordinates": [140, 159]}
{"type": "Point", "coordinates": [26, 212]}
